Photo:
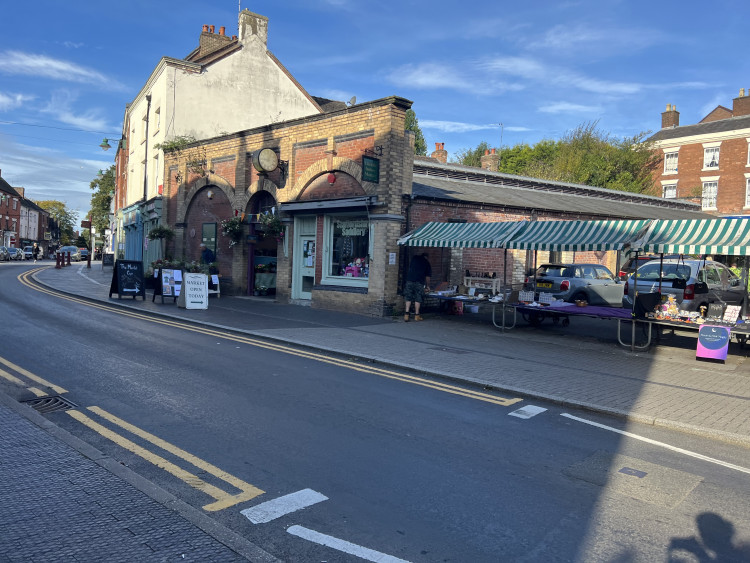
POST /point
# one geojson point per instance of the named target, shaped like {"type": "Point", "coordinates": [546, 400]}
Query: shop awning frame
{"type": "Point", "coordinates": [462, 235]}
{"type": "Point", "coordinates": [577, 235]}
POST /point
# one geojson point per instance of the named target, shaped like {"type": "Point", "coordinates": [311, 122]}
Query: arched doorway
{"type": "Point", "coordinates": [262, 250]}
{"type": "Point", "coordinates": [207, 209]}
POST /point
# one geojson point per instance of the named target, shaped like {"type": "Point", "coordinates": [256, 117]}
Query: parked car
{"type": "Point", "coordinates": [28, 252]}
{"type": "Point", "coordinates": [592, 283]}
{"type": "Point", "coordinates": [694, 283]}
{"type": "Point", "coordinates": [15, 253]}
{"type": "Point", "coordinates": [4, 254]}
{"type": "Point", "coordinates": [628, 266]}
{"type": "Point", "coordinates": [75, 254]}
{"type": "Point", "coordinates": [84, 253]}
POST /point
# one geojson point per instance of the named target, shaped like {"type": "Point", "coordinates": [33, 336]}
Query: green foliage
{"type": "Point", "coordinates": [471, 157]}
{"type": "Point", "coordinates": [412, 124]}
{"type": "Point", "coordinates": [101, 199]}
{"type": "Point", "coordinates": [233, 229]}
{"type": "Point", "coordinates": [65, 218]}
{"type": "Point", "coordinates": [177, 144]}
{"type": "Point", "coordinates": [272, 225]}
{"type": "Point", "coordinates": [584, 155]}
{"type": "Point", "coordinates": [161, 232]}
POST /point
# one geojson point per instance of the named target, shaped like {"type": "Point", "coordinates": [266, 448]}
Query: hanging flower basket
{"type": "Point", "coordinates": [233, 229]}
{"type": "Point", "coordinates": [271, 225]}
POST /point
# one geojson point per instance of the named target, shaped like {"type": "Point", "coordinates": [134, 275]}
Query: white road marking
{"type": "Point", "coordinates": [527, 412]}
{"type": "Point", "coordinates": [661, 444]}
{"type": "Point", "coordinates": [345, 546]}
{"type": "Point", "coordinates": [272, 509]}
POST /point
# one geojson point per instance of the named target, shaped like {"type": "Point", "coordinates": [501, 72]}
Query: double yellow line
{"type": "Point", "coordinates": [222, 499]}
{"type": "Point", "coordinates": [251, 341]}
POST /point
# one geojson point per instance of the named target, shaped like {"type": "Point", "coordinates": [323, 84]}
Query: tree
{"type": "Point", "coordinates": [471, 157]}
{"type": "Point", "coordinates": [65, 218]}
{"type": "Point", "coordinates": [412, 124]}
{"type": "Point", "coordinates": [101, 199]}
{"type": "Point", "coordinates": [584, 155]}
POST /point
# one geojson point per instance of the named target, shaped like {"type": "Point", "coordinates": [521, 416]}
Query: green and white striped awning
{"type": "Point", "coordinates": [697, 236]}
{"type": "Point", "coordinates": [462, 235]}
{"type": "Point", "coordinates": [577, 235]}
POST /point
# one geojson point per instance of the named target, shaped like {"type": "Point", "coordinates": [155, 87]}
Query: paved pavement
{"type": "Point", "coordinates": [577, 366]}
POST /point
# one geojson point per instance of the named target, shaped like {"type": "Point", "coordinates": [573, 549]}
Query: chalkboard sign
{"type": "Point", "coordinates": [713, 342]}
{"type": "Point", "coordinates": [127, 279]}
{"type": "Point", "coordinates": [108, 260]}
{"type": "Point", "coordinates": [168, 284]}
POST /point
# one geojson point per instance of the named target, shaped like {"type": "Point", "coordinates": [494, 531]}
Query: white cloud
{"type": "Point", "coordinates": [458, 127]}
{"type": "Point", "coordinates": [29, 64]}
{"type": "Point", "coordinates": [595, 40]}
{"type": "Point", "coordinates": [428, 76]}
{"type": "Point", "coordinates": [59, 107]}
{"type": "Point", "coordinates": [12, 101]}
{"type": "Point", "coordinates": [566, 107]}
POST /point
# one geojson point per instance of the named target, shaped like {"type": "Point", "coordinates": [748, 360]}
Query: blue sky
{"type": "Point", "coordinates": [67, 69]}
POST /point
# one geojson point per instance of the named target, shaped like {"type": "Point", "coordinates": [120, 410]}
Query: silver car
{"type": "Point", "coordinates": [75, 253]}
{"type": "Point", "coordinates": [592, 283]}
{"type": "Point", "coordinates": [4, 254]}
{"type": "Point", "coordinates": [694, 283]}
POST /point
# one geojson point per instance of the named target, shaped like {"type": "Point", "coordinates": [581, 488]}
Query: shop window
{"type": "Point", "coordinates": [347, 253]}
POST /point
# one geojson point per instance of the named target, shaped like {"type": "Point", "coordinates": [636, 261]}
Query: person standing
{"type": "Point", "coordinates": [417, 280]}
{"type": "Point", "coordinates": [207, 255]}
{"type": "Point", "coordinates": [35, 252]}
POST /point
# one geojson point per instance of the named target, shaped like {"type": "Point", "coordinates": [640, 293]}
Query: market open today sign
{"type": "Point", "coordinates": [194, 292]}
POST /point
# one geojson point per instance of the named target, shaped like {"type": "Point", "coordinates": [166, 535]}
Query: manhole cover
{"type": "Point", "coordinates": [50, 404]}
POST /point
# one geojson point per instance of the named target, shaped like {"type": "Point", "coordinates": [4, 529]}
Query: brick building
{"type": "Point", "coordinates": [337, 180]}
{"type": "Point", "coordinates": [709, 161]}
{"type": "Point", "coordinates": [225, 84]}
{"type": "Point", "coordinates": [453, 193]}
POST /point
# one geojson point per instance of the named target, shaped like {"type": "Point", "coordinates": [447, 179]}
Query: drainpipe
{"type": "Point", "coordinates": [145, 179]}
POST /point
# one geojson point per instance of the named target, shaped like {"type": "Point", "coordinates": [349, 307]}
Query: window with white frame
{"type": "Point", "coordinates": [710, 192]}
{"type": "Point", "coordinates": [670, 162]}
{"type": "Point", "coordinates": [157, 120]}
{"type": "Point", "coordinates": [347, 250]}
{"type": "Point", "coordinates": [710, 157]}
{"type": "Point", "coordinates": [669, 190]}
{"type": "Point", "coordinates": [747, 190]}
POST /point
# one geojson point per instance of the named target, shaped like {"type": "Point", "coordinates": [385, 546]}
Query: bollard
{"type": "Point", "coordinates": [68, 264]}
{"type": "Point", "coordinates": [57, 261]}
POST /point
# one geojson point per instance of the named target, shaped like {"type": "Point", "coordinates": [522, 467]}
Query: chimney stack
{"type": "Point", "coordinates": [440, 154]}
{"type": "Point", "coordinates": [741, 104]}
{"type": "Point", "coordinates": [253, 25]}
{"type": "Point", "coordinates": [491, 160]}
{"type": "Point", "coordinates": [671, 117]}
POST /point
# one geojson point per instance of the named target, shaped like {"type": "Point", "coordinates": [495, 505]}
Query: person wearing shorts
{"type": "Point", "coordinates": [417, 280]}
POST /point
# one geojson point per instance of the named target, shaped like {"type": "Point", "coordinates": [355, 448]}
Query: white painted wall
{"type": "Point", "coordinates": [243, 90]}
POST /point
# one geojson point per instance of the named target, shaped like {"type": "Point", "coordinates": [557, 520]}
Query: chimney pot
{"type": "Point", "coordinates": [211, 28]}
{"type": "Point", "coordinates": [221, 30]}
{"type": "Point", "coordinates": [486, 152]}
{"type": "Point", "coordinates": [493, 151]}
{"type": "Point", "coordinates": [742, 92]}
{"type": "Point", "coordinates": [234, 38]}
{"type": "Point", "coordinates": [205, 28]}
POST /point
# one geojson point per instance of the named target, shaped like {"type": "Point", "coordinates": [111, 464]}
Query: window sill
{"type": "Point", "coordinates": [709, 169]}
{"type": "Point", "coordinates": [670, 173]}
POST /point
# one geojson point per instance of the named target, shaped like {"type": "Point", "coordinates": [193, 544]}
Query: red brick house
{"type": "Point", "coordinates": [709, 161]}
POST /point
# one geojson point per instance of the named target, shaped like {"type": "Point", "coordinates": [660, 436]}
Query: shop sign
{"type": "Point", "coordinates": [370, 169]}
{"type": "Point", "coordinates": [353, 228]}
{"type": "Point", "coordinates": [713, 342]}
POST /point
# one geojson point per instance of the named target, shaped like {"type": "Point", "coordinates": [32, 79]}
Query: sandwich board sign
{"type": "Point", "coordinates": [194, 291]}
{"type": "Point", "coordinates": [127, 279]}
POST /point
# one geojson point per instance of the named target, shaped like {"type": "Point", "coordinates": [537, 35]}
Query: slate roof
{"type": "Point", "coordinates": [720, 126]}
{"type": "Point", "coordinates": [454, 183]}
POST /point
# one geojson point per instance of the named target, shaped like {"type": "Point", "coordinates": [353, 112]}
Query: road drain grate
{"type": "Point", "coordinates": [54, 403]}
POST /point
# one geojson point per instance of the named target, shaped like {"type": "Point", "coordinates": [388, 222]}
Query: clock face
{"type": "Point", "coordinates": [265, 160]}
